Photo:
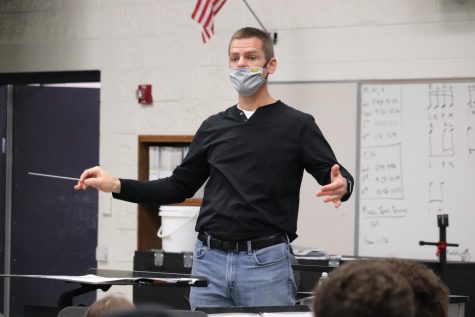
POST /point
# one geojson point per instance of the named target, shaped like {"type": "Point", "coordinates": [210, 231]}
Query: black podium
{"type": "Point", "coordinates": [166, 262]}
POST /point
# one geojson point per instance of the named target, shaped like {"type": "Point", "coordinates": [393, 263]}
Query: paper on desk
{"type": "Point", "coordinates": [289, 314]}
{"type": "Point", "coordinates": [279, 314]}
{"type": "Point", "coordinates": [233, 315]}
{"type": "Point", "coordinates": [310, 252]}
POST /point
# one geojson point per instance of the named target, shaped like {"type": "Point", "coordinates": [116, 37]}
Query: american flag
{"type": "Point", "coordinates": [203, 13]}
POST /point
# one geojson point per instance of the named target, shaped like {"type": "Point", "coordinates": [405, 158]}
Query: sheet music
{"type": "Point", "coordinates": [94, 279]}
{"type": "Point", "coordinates": [234, 315]}
{"type": "Point", "coordinates": [289, 314]}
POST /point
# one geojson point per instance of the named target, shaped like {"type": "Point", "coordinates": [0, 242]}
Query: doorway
{"type": "Point", "coordinates": [53, 229]}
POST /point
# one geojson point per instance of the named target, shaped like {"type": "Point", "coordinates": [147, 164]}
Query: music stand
{"type": "Point", "coordinates": [442, 223]}
{"type": "Point", "coordinates": [104, 279]}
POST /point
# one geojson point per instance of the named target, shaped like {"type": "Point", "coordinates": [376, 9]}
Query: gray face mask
{"type": "Point", "coordinates": [247, 80]}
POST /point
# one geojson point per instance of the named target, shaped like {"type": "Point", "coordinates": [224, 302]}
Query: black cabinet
{"type": "Point", "coordinates": [459, 277]}
{"type": "Point", "coordinates": [164, 262]}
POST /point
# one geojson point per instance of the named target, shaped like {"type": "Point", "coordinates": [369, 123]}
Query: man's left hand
{"type": "Point", "coordinates": [336, 189]}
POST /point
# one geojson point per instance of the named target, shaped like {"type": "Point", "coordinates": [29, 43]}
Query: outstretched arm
{"type": "Point", "coordinates": [98, 178]}
{"type": "Point", "coordinates": [337, 188]}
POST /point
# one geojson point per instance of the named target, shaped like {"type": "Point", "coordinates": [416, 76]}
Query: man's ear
{"type": "Point", "coordinates": [271, 65]}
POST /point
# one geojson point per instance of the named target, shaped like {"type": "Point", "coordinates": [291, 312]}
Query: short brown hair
{"type": "Point", "coordinates": [364, 289]}
{"type": "Point", "coordinates": [248, 32]}
{"type": "Point", "coordinates": [431, 295]}
{"type": "Point", "coordinates": [108, 305]}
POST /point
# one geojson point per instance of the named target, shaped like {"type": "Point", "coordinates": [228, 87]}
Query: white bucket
{"type": "Point", "coordinates": [178, 228]}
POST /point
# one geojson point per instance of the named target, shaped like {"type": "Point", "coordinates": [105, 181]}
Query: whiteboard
{"type": "Point", "coordinates": [416, 160]}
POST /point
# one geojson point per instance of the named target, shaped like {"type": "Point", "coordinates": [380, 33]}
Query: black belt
{"type": "Point", "coordinates": [243, 245]}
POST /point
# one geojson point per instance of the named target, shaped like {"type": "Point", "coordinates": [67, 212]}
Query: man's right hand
{"type": "Point", "coordinates": [98, 178]}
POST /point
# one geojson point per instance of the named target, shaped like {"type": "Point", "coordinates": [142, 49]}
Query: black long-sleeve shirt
{"type": "Point", "coordinates": [255, 168]}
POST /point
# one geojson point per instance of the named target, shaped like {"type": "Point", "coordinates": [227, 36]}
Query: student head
{"type": "Point", "coordinates": [149, 310]}
{"type": "Point", "coordinates": [431, 295]}
{"type": "Point", "coordinates": [364, 289]}
{"type": "Point", "coordinates": [108, 305]}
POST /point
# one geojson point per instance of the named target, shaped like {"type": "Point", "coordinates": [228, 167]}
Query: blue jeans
{"type": "Point", "coordinates": [257, 278]}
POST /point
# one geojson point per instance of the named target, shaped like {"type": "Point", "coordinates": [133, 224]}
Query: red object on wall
{"type": "Point", "coordinates": [144, 94]}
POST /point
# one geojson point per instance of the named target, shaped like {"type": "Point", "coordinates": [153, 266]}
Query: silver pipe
{"type": "Point", "coordinates": [259, 21]}
{"type": "Point", "coordinates": [8, 200]}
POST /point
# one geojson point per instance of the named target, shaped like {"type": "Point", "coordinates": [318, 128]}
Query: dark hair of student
{"type": "Point", "coordinates": [364, 289]}
{"type": "Point", "coordinates": [431, 295]}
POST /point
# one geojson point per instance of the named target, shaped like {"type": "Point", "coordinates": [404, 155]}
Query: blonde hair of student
{"type": "Point", "coordinates": [108, 305]}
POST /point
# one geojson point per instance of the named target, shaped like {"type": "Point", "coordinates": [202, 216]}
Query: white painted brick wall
{"type": "Point", "coordinates": [155, 41]}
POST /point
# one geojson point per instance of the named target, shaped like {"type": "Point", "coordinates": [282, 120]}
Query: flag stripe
{"type": "Point", "coordinates": [203, 12]}
{"type": "Point", "coordinates": [212, 13]}
{"type": "Point", "coordinates": [209, 19]}
{"type": "Point", "coordinates": [195, 11]}
{"type": "Point", "coordinates": [207, 33]}
{"type": "Point", "coordinates": [219, 7]}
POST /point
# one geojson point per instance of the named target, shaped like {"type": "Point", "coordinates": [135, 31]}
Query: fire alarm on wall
{"type": "Point", "coordinates": [144, 94]}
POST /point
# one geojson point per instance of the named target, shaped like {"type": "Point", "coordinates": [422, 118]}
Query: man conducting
{"type": "Point", "coordinates": [254, 154]}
